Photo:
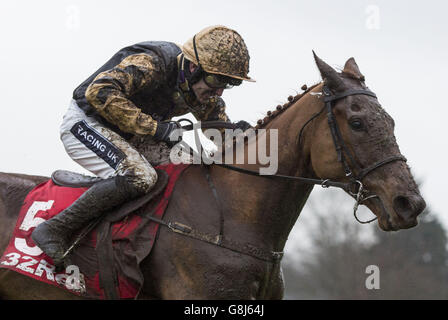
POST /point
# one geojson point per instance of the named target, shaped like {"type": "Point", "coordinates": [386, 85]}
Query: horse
{"type": "Point", "coordinates": [334, 132]}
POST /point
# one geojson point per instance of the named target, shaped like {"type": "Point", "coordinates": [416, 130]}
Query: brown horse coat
{"type": "Point", "coordinates": [258, 211]}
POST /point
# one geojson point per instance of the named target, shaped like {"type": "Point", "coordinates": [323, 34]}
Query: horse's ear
{"type": "Point", "coordinates": [329, 75]}
{"type": "Point", "coordinates": [352, 69]}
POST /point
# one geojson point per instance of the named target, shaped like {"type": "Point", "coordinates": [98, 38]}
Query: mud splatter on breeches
{"type": "Point", "coordinates": [139, 172]}
{"type": "Point", "coordinates": [104, 152]}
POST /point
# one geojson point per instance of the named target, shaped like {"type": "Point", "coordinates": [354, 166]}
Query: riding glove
{"type": "Point", "coordinates": [165, 132]}
{"type": "Point", "coordinates": [243, 125]}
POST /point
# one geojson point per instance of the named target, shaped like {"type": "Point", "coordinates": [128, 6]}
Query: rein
{"type": "Point", "coordinates": [354, 187]}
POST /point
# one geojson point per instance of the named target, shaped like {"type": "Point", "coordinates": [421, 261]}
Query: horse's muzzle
{"type": "Point", "coordinates": [408, 207]}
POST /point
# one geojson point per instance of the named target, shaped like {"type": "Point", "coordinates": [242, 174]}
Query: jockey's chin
{"type": "Point", "coordinates": [204, 93]}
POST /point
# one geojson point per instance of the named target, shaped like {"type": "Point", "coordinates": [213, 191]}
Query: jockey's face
{"type": "Point", "coordinates": [202, 91]}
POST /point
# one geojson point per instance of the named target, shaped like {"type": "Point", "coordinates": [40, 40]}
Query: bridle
{"type": "Point", "coordinates": [353, 171]}
{"type": "Point", "coordinates": [354, 187]}
{"type": "Point", "coordinates": [343, 152]}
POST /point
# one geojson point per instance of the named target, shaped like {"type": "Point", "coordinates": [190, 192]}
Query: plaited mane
{"type": "Point", "coordinates": [280, 108]}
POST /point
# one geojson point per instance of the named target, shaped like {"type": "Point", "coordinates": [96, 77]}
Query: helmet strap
{"type": "Point", "coordinates": [182, 80]}
{"type": "Point", "coordinates": [196, 51]}
{"type": "Point", "coordinates": [197, 74]}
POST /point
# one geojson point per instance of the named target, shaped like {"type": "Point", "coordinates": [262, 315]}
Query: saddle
{"type": "Point", "coordinates": [107, 257]}
{"type": "Point", "coordinates": [70, 179]}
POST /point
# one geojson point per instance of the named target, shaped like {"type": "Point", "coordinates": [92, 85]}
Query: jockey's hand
{"type": "Point", "coordinates": [243, 125]}
{"type": "Point", "coordinates": [166, 132]}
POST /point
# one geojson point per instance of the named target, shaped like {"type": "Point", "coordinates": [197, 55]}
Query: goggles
{"type": "Point", "coordinates": [217, 81]}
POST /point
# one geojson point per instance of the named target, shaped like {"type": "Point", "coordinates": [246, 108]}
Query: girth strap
{"type": "Point", "coordinates": [223, 242]}
{"type": "Point", "coordinates": [219, 239]}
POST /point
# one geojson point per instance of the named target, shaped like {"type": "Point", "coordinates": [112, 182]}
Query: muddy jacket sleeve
{"type": "Point", "coordinates": [109, 92]}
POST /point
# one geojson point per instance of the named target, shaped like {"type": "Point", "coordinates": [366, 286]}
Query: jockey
{"type": "Point", "coordinates": [136, 93]}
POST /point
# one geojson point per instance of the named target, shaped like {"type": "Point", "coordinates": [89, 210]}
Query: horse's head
{"type": "Point", "coordinates": [368, 148]}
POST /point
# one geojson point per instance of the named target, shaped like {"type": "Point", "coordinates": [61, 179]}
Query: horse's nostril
{"type": "Point", "coordinates": [408, 207]}
{"type": "Point", "coordinates": [401, 203]}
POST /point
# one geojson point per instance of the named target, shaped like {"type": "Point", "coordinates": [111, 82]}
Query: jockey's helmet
{"type": "Point", "coordinates": [219, 50]}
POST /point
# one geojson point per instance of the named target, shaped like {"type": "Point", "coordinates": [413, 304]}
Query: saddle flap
{"type": "Point", "coordinates": [121, 211]}
{"type": "Point", "coordinates": [130, 253]}
{"type": "Point", "coordinates": [97, 271]}
{"type": "Point", "coordinates": [66, 178]}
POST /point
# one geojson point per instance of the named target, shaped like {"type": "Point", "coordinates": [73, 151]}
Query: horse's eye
{"type": "Point", "coordinates": [356, 124]}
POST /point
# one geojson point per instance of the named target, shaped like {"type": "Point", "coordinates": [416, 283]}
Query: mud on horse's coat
{"type": "Point", "coordinates": [257, 211]}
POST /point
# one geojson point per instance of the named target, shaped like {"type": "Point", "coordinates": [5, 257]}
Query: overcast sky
{"type": "Point", "coordinates": [48, 47]}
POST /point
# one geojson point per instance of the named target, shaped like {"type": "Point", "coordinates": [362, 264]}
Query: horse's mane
{"type": "Point", "coordinates": [292, 99]}
{"type": "Point", "coordinates": [281, 108]}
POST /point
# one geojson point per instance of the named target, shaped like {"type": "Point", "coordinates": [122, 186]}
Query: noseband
{"type": "Point", "coordinates": [355, 187]}
{"type": "Point", "coordinates": [343, 152]}
{"type": "Point", "coordinates": [339, 144]}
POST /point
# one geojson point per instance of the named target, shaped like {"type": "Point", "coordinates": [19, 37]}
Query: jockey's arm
{"type": "Point", "coordinates": [109, 93]}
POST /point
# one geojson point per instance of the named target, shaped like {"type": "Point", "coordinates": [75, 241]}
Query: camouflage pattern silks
{"type": "Point", "coordinates": [134, 91]}
{"type": "Point", "coordinates": [109, 93]}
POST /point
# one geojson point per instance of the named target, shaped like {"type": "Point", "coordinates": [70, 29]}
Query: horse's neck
{"type": "Point", "coordinates": [270, 207]}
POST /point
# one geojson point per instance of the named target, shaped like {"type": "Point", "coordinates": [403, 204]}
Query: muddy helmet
{"type": "Point", "coordinates": [220, 50]}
